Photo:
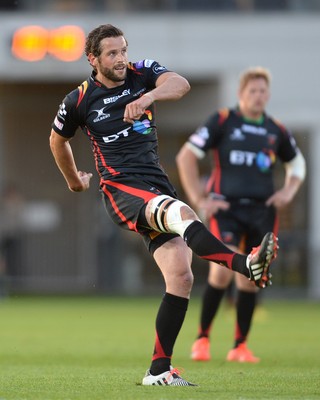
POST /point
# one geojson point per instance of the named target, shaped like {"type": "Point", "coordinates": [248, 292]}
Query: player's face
{"type": "Point", "coordinates": [254, 97]}
{"type": "Point", "coordinates": [112, 63]}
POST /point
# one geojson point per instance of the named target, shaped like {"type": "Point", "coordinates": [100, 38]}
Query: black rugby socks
{"type": "Point", "coordinates": [208, 247]}
{"type": "Point", "coordinates": [246, 303]}
{"type": "Point", "coordinates": [210, 304]}
{"type": "Point", "coordinates": [169, 320]}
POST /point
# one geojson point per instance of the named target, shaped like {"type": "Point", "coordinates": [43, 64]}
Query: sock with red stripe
{"type": "Point", "coordinates": [210, 304]}
{"type": "Point", "coordinates": [245, 308]}
{"type": "Point", "coordinates": [208, 247]}
{"type": "Point", "coordinates": [169, 320]}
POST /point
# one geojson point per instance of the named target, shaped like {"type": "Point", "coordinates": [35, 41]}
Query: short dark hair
{"type": "Point", "coordinates": [96, 35]}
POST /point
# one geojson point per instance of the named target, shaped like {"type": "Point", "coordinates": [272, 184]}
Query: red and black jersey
{"type": "Point", "coordinates": [244, 153]}
{"type": "Point", "coordinates": [119, 147]}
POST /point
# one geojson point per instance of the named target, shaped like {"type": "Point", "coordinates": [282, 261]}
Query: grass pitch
{"type": "Point", "coordinates": [99, 348]}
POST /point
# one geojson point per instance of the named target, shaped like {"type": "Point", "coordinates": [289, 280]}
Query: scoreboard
{"type": "Point", "coordinates": [33, 43]}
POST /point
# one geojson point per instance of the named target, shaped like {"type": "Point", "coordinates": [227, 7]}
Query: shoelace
{"type": "Point", "coordinates": [176, 371]}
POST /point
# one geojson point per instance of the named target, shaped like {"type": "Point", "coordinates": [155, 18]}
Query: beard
{"type": "Point", "coordinates": [112, 74]}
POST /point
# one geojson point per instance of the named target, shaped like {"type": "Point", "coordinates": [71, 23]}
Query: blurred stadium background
{"type": "Point", "coordinates": [55, 241]}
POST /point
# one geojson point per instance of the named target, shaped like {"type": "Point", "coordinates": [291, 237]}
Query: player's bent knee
{"type": "Point", "coordinates": [167, 214]}
{"type": "Point", "coordinates": [180, 285]}
{"type": "Point", "coordinates": [187, 280]}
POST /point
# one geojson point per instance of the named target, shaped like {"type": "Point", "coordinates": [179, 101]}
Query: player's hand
{"type": "Point", "coordinates": [136, 109]}
{"type": "Point", "coordinates": [279, 199]}
{"type": "Point", "coordinates": [83, 183]}
{"type": "Point", "coordinates": [208, 207]}
{"type": "Point", "coordinates": [85, 178]}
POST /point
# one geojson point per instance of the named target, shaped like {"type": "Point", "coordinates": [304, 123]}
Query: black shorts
{"type": "Point", "coordinates": [244, 225]}
{"type": "Point", "coordinates": [125, 199]}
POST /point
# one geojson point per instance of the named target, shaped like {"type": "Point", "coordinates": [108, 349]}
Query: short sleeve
{"type": "Point", "coordinates": [67, 121]}
{"type": "Point", "coordinates": [207, 136]}
{"type": "Point", "coordinates": [151, 71]}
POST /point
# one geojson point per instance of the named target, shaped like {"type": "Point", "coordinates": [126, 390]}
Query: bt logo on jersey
{"type": "Point", "coordinates": [112, 138]}
{"type": "Point", "coordinates": [264, 160]}
{"type": "Point", "coordinates": [238, 157]}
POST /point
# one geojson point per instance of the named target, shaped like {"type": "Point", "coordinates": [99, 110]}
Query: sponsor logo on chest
{"type": "Point", "coordinates": [101, 115]}
{"type": "Point", "coordinates": [255, 130]}
{"type": "Point", "coordinates": [113, 99]}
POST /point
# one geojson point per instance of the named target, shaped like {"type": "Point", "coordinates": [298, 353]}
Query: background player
{"type": "Point", "coordinates": [240, 201]}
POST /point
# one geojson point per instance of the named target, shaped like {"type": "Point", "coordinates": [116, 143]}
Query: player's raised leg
{"type": "Point", "coordinates": [165, 214]}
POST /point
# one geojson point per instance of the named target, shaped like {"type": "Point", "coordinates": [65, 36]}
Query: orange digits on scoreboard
{"type": "Point", "coordinates": [34, 43]}
{"type": "Point", "coordinates": [66, 43]}
{"type": "Point", "coordinates": [30, 43]}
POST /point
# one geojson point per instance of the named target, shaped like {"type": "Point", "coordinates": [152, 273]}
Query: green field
{"type": "Point", "coordinates": [90, 348]}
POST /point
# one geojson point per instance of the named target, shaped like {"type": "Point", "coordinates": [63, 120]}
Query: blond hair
{"type": "Point", "coordinates": [254, 73]}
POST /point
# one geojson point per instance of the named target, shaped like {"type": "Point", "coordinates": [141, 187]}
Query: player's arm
{"type": "Point", "coordinates": [77, 181]}
{"type": "Point", "coordinates": [188, 168]}
{"type": "Point", "coordinates": [169, 86]}
{"type": "Point", "coordinates": [187, 161]}
{"type": "Point", "coordinates": [295, 175]}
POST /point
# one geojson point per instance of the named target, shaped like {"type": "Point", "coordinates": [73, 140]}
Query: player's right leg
{"type": "Point", "coordinates": [166, 214]}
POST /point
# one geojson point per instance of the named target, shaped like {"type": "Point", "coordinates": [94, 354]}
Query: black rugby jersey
{"type": "Point", "coordinates": [244, 153]}
{"type": "Point", "coordinates": [118, 146]}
